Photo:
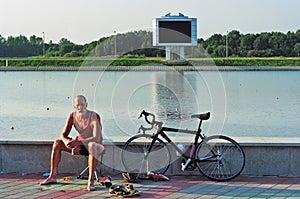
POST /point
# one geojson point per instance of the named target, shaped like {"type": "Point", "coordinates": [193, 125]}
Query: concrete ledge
{"type": "Point", "coordinates": [262, 158]}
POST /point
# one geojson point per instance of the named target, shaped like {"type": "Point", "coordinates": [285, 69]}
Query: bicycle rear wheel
{"type": "Point", "coordinates": [135, 157]}
{"type": "Point", "coordinates": [220, 158]}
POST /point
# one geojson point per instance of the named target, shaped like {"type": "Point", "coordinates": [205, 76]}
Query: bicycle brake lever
{"type": "Point", "coordinates": [141, 115]}
{"type": "Point", "coordinates": [141, 129]}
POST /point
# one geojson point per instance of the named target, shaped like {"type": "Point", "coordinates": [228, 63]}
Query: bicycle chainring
{"type": "Point", "coordinates": [191, 166]}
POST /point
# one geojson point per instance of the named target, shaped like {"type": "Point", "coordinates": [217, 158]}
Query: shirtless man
{"type": "Point", "coordinates": [88, 142]}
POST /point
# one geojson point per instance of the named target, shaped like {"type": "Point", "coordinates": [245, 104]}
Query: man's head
{"type": "Point", "coordinates": [80, 104]}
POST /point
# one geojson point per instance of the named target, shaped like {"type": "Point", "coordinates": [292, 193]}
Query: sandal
{"type": "Point", "coordinates": [116, 190]}
{"type": "Point", "coordinates": [130, 191]}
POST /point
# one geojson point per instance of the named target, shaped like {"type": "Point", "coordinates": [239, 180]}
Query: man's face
{"type": "Point", "coordinates": [80, 105]}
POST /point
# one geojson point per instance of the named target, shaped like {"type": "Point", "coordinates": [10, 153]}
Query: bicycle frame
{"type": "Point", "coordinates": [218, 157]}
{"type": "Point", "coordinates": [166, 137]}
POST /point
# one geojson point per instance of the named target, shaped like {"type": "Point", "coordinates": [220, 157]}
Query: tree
{"type": "Point", "coordinates": [36, 45]}
{"type": "Point", "coordinates": [52, 49]}
{"type": "Point", "coordinates": [18, 46]}
{"type": "Point", "coordinates": [140, 43]}
{"type": "Point", "coordinates": [297, 49]}
{"type": "Point", "coordinates": [291, 40]}
{"type": "Point", "coordinates": [277, 43]}
{"type": "Point", "coordinates": [220, 51]}
{"type": "Point", "coordinates": [246, 44]}
{"type": "Point", "coordinates": [214, 41]}
{"type": "Point", "coordinates": [234, 41]}
{"type": "Point", "coordinates": [2, 46]}
{"type": "Point", "coordinates": [297, 35]}
{"type": "Point", "coordinates": [262, 41]}
{"type": "Point", "coordinates": [65, 46]}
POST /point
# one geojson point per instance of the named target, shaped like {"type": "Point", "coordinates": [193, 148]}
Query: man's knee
{"type": "Point", "coordinates": [92, 147]}
{"type": "Point", "coordinates": [57, 144]}
{"type": "Point", "coordinates": [95, 148]}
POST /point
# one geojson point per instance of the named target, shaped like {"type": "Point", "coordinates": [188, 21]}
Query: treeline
{"type": "Point", "coordinates": [139, 43]}
{"type": "Point", "coordinates": [253, 45]}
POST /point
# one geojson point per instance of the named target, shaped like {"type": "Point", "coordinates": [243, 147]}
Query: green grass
{"type": "Point", "coordinates": [127, 61]}
{"type": "Point", "coordinates": [257, 61]}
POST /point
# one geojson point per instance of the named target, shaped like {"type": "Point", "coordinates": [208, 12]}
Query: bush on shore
{"type": "Point", "coordinates": [274, 61]}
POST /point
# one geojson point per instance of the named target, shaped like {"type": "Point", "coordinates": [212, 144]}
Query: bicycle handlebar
{"type": "Point", "coordinates": [146, 114]}
{"type": "Point", "coordinates": [158, 125]}
{"type": "Point", "coordinates": [153, 122]}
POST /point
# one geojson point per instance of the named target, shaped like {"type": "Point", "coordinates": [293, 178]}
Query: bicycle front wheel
{"type": "Point", "coordinates": [220, 158]}
{"type": "Point", "coordinates": [137, 159]}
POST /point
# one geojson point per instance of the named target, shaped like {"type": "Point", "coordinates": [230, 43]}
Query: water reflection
{"type": "Point", "coordinates": [176, 96]}
{"type": "Point", "coordinates": [257, 103]}
{"type": "Point", "coordinates": [170, 95]}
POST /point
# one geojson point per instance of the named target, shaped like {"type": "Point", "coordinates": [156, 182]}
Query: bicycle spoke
{"type": "Point", "coordinates": [135, 155]}
{"type": "Point", "coordinates": [220, 158]}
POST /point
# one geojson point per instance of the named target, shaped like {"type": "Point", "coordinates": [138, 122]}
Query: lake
{"type": "Point", "coordinates": [242, 104]}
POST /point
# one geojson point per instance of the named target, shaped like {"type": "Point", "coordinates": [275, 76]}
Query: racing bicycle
{"type": "Point", "coordinates": [217, 157]}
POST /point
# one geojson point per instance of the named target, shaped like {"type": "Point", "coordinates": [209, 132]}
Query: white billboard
{"type": "Point", "coordinates": [178, 30]}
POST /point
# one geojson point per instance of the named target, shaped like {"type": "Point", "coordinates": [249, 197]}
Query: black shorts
{"type": "Point", "coordinates": [83, 150]}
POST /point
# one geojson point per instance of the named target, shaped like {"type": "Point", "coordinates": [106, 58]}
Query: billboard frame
{"type": "Point", "coordinates": [174, 18]}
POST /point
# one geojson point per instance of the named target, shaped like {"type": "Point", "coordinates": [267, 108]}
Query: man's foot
{"type": "Point", "coordinates": [48, 181]}
{"type": "Point", "coordinates": [91, 187]}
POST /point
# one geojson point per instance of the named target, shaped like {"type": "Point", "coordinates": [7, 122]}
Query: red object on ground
{"type": "Point", "coordinates": [157, 176]}
{"type": "Point", "coordinates": [106, 181]}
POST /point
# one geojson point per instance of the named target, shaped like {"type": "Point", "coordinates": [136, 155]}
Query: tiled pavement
{"type": "Point", "coordinates": [26, 186]}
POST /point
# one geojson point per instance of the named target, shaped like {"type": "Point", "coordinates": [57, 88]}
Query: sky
{"type": "Point", "coordinates": [84, 21]}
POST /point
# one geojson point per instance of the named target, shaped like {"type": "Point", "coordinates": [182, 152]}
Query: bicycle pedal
{"type": "Point", "coordinates": [182, 167]}
{"type": "Point", "coordinates": [190, 168]}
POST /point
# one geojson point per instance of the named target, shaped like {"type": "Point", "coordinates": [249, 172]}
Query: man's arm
{"type": "Point", "coordinates": [67, 129]}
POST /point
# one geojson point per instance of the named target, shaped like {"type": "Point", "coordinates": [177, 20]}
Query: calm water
{"type": "Point", "coordinates": [243, 104]}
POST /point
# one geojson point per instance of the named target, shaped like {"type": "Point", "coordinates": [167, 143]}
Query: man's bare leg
{"type": "Point", "coordinates": [94, 151]}
{"type": "Point", "coordinates": [92, 162]}
{"type": "Point", "coordinates": [57, 147]}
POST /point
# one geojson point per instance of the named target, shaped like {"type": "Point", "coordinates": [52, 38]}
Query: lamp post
{"type": "Point", "coordinates": [43, 44]}
{"type": "Point", "coordinates": [115, 37]}
{"type": "Point", "coordinates": [226, 44]}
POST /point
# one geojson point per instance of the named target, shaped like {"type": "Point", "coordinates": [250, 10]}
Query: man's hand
{"type": "Point", "coordinates": [73, 143]}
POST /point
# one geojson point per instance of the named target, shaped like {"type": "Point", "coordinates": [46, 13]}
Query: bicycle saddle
{"type": "Point", "coordinates": [204, 116]}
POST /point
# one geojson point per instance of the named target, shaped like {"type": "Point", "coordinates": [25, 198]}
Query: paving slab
{"type": "Point", "coordinates": [15, 185]}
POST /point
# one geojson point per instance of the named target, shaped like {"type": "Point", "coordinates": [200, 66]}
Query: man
{"type": "Point", "coordinates": [88, 142]}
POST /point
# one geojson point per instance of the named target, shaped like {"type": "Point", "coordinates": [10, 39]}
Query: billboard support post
{"type": "Point", "coordinates": [175, 53]}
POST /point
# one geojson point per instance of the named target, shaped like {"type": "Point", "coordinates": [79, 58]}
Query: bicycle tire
{"type": "Point", "coordinates": [220, 158]}
{"type": "Point", "coordinates": [135, 158]}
